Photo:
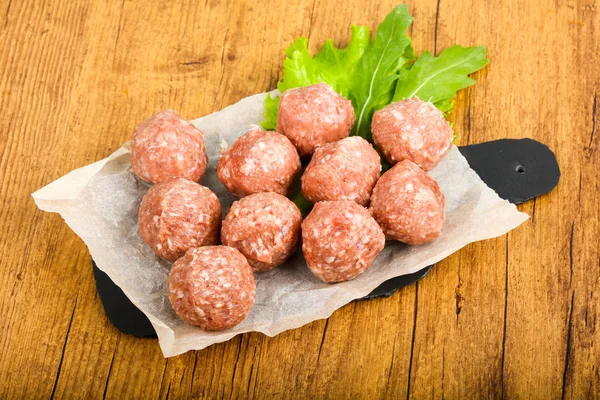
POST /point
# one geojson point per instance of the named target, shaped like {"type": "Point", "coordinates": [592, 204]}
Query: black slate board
{"type": "Point", "coordinates": [518, 170]}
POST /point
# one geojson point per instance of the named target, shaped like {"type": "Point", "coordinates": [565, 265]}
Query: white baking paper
{"type": "Point", "coordinates": [100, 202]}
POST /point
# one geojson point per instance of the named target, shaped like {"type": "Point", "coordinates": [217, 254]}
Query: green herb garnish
{"type": "Point", "coordinates": [373, 73]}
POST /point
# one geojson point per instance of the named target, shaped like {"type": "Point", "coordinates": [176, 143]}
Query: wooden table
{"type": "Point", "coordinates": [516, 316]}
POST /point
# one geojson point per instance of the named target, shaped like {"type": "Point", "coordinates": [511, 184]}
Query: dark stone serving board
{"type": "Point", "coordinates": [518, 170]}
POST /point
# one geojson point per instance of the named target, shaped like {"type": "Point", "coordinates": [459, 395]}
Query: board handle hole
{"type": "Point", "coordinates": [520, 169]}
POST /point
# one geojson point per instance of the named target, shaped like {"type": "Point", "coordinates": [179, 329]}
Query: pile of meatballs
{"type": "Point", "coordinates": [211, 283]}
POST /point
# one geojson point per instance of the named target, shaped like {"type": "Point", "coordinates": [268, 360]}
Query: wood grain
{"type": "Point", "coordinates": [512, 317]}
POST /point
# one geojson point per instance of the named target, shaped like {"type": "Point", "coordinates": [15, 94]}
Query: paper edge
{"type": "Point", "coordinates": [80, 175]}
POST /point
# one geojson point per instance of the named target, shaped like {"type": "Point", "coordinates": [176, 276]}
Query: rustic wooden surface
{"type": "Point", "coordinates": [511, 317]}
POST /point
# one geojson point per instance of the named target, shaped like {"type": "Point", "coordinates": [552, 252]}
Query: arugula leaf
{"type": "Point", "coordinates": [331, 65]}
{"type": "Point", "coordinates": [437, 79]}
{"type": "Point", "coordinates": [377, 73]}
{"type": "Point", "coordinates": [445, 106]}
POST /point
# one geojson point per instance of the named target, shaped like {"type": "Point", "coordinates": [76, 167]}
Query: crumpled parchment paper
{"type": "Point", "coordinates": [100, 202]}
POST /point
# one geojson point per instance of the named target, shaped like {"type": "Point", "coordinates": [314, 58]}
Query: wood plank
{"type": "Point", "coordinates": [457, 351]}
{"type": "Point", "coordinates": [40, 284]}
{"type": "Point", "coordinates": [540, 295]}
{"type": "Point", "coordinates": [510, 317]}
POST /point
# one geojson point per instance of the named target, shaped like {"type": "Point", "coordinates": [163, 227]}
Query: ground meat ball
{"type": "Point", "coordinates": [412, 130]}
{"type": "Point", "coordinates": [408, 204]}
{"type": "Point", "coordinates": [343, 170]}
{"type": "Point", "coordinates": [264, 227]}
{"type": "Point", "coordinates": [314, 115]}
{"type": "Point", "coordinates": [165, 146]}
{"type": "Point", "coordinates": [178, 215]}
{"type": "Point", "coordinates": [212, 287]}
{"type": "Point", "coordinates": [340, 240]}
{"type": "Point", "coordinates": [259, 161]}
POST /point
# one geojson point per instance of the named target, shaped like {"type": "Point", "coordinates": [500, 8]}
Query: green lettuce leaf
{"type": "Point", "coordinates": [437, 79]}
{"type": "Point", "coordinates": [376, 75]}
{"type": "Point", "coordinates": [300, 69]}
{"type": "Point", "coordinates": [331, 65]}
{"type": "Point", "coordinates": [364, 72]}
{"type": "Point", "coordinates": [271, 111]}
{"type": "Point", "coordinates": [445, 106]}
{"type": "Point", "coordinates": [337, 66]}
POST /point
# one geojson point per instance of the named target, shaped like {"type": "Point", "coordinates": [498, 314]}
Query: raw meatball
{"type": "Point", "coordinates": [340, 240]}
{"type": "Point", "coordinates": [408, 204]}
{"type": "Point", "coordinates": [343, 170]}
{"type": "Point", "coordinates": [314, 115]}
{"type": "Point", "coordinates": [259, 161]}
{"type": "Point", "coordinates": [178, 215]}
{"type": "Point", "coordinates": [264, 227]}
{"type": "Point", "coordinates": [165, 146]}
{"type": "Point", "coordinates": [412, 130]}
{"type": "Point", "coordinates": [212, 287]}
